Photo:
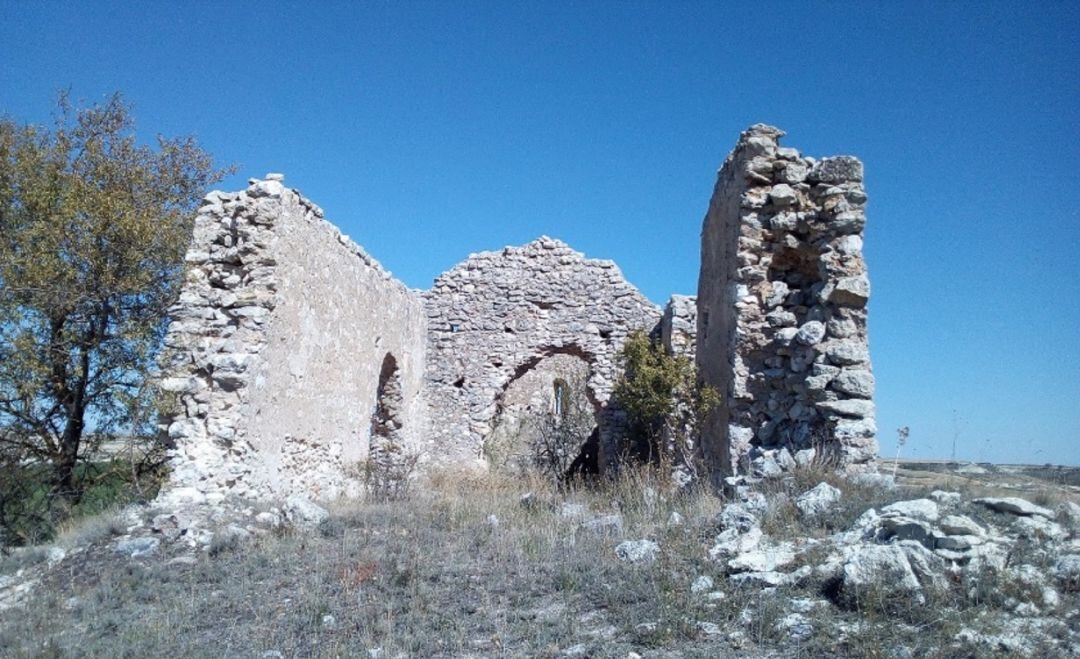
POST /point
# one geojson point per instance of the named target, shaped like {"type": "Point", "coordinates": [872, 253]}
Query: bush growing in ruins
{"type": "Point", "coordinates": [93, 229]}
{"type": "Point", "coordinates": [389, 473]}
{"type": "Point", "coordinates": [664, 400]}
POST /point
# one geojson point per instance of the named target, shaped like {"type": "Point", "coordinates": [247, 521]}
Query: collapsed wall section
{"type": "Point", "coordinates": [276, 348]}
{"type": "Point", "coordinates": [782, 297]}
{"type": "Point", "coordinates": [496, 316]}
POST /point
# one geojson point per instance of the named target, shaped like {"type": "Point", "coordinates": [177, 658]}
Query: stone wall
{"type": "Point", "coordinates": [294, 356]}
{"type": "Point", "coordinates": [497, 315]}
{"type": "Point", "coordinates": [782, 299]}
{"type": "Point", "coordinates": [678, 327]}
{"type": "Point", "coordinates": [276, 348]}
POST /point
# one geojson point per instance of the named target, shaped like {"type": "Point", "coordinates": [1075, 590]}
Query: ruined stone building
{"type": "Point", "coordinates": [295, 357]}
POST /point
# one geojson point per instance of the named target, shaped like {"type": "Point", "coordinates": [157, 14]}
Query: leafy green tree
{"type": "Point", "coordinates": [664, 400]}
{"type": "Point", "coordinates": [93, 229]}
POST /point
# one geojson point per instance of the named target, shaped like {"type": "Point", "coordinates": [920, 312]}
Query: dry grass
{"type": "Point", "coordinates": [464, 567]}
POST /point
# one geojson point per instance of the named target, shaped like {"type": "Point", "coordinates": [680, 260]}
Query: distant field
{"type": "Point", "coordinates": [1047, 480]}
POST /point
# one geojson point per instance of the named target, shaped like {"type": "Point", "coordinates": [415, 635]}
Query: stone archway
{"type": "Point", "coordinates": [545, 415]}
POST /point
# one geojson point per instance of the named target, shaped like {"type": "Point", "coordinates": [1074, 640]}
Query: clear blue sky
{"type": "Point", "coordinates": [429, 130]}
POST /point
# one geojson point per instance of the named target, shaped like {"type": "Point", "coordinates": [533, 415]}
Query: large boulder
{"type": "Point", "coordinates": [903, 570]}
{"type": "Point", "coordinates": [923, 509]}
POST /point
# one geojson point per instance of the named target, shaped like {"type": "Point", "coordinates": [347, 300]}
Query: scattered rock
{"type": "Point", "coordinates": [903, 568]}
{"type": "Point", "coordinates": [637, 551]}
{"type": "Point", "coordinates": [269, 519]}
{"type": "Point", "coordinates": [604, 523]}
{"type": "Point", "coordinates": [301, 511]}
{"type": "Point", "coordinates": [796, 626]}
{"type": "Point", "coordinates": [136, 547]}
{"type": "Point", "coordinates": [701, 584]}
{"type": "Point", "coordinates": [945, 498]}
{"type": "Point", "coordinates": [763, 559]}
{"type": "Point", "coordinates": [732, 542]}
{"type": "Point", "coordinates": [771, 579]}
{"type": "Point", "coordinates": [817, 500]}
{"type": "Point", "coordinates": [1016, 506]}
{"type": "Point", "coordinates": [923, 509]}
{"type": "Point", "coordinates": [1067, 571]}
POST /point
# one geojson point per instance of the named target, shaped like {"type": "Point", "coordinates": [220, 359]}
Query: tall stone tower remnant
{"type": "Point", "coordinates": [781, 322]}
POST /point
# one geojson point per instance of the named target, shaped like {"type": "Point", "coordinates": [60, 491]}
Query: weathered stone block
{"type": "Point", "coordinates": [838, 169]}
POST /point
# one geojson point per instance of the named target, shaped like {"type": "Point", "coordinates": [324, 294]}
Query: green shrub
{"type": "Point", "coordinates": [664, 400]}
{"type": "Point", "coordinates": [30, 513]}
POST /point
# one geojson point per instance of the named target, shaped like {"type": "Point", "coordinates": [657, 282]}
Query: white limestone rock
{"type": "Point", "coordinates": [904, 568]}
{"type": "Point", "coordinates": [817, 500]}
{"type": "Point", "coordinates": [1015, 506]}
{"type": "Point", "coordinates": [922, 509]}
{"type": "Point", "coordinates": [301, 511]}
{"type": "Point", "coordinates": [137, 547]}
{"type": "Point", "coordinates": [702, 584]}
{"type": "Point", "coordinates": [855, 382]}
{"type": "Point", "coordinates": [763, 559]}
{"type": "Point", "coordinates": [733, 542]}
{"type": "Point", "coordinates": [961, 525]}
{"type": "Point", "coordinates": [637, 551]}
{"type": "Point", "coordinates": [852, 407]}
{"type": "Point", "coordinates": [847, 353]}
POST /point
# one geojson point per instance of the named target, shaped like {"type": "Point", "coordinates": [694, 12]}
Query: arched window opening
{"type": "Point", "coordinates": [562, 398]}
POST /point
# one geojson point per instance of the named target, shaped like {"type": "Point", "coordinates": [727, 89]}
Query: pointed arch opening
{"type": "Point", "coordinates": [388, 418]}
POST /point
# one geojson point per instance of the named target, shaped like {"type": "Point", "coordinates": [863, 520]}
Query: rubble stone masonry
{"type": "Point", "coordinates": [294, 356]}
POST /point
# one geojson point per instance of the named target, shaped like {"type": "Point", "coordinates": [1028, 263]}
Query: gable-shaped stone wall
{"type": "Point", "coordinates": [498, 314]}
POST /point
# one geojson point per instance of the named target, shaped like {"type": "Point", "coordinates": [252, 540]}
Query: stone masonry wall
{"type": "Point", "coordinates": [678, 327]}
{"type": "Point", "coordinates": [782, 299]}
{"type": "Point", "coordinates": [275, 349]}
{"type": "Point", "coordinates": [294, 356]}
{"type": "Point", "coordinates": [498, 314]}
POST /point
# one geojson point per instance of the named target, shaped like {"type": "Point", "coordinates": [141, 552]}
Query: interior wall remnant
{"type": "Point", "coordinates": [782, 297]}
{"type": "Point", "coordinates": [678, 327]}
{"type": "Point", "coordinates": [493, 315]}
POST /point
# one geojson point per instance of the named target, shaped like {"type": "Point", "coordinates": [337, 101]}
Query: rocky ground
{"type": "Point", "coordinates": [806, 564]}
